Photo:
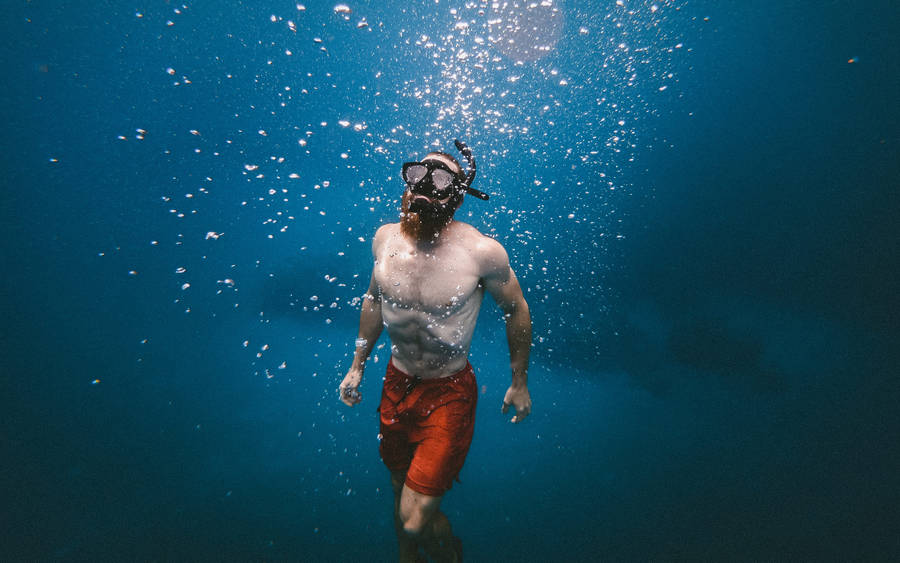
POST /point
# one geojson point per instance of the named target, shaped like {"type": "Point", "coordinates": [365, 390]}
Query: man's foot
{"type": "Point", "coordinates": [457, 552]}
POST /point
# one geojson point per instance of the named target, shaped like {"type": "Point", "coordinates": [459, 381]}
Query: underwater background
{"type": "Point", "coordinates": [700, 200]}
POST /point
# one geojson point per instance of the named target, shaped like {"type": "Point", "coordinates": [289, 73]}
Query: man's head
{"type": "Point", "coordinates": [434, 191]}
{"type": "Point", "coordinates": [436, 176]}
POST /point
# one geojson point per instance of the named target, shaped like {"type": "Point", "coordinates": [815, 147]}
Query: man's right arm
{"type": "Point", "coordinates": [370, 327]}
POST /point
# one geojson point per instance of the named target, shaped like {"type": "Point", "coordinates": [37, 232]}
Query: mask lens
{"type": "Point", "coordinates": [414, 174]}
{"type": "Point", "coordinates": [442, 179]}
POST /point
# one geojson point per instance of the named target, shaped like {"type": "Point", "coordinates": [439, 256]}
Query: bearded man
{"type": "Point", "coordinates": [430, 275]}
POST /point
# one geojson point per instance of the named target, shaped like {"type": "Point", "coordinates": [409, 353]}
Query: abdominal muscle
{"type": "Point", "coordinates": [431, 344]}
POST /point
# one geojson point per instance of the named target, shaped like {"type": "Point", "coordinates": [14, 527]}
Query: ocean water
{"type": "Point", "coordinates": [699, 199]}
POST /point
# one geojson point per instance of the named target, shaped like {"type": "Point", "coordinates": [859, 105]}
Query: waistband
{"type": "Point", "coordinates": [393, 370]}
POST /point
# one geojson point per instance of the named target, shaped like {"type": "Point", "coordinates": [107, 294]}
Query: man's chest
{"type": "Point", "coordinates": [431, 282]}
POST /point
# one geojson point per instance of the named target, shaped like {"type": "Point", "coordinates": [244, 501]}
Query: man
{"type": "Point", "coordinates": [429, 278]}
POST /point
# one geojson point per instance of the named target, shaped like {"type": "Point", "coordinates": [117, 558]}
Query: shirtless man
{"type": "Point", "coordinates": [429, 278]}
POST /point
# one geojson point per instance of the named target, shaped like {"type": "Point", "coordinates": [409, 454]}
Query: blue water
{"type": "Point", "coordinates": [699, 198]}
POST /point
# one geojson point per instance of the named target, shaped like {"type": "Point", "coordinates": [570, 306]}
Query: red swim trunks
{"type": "Point", "coordinates": [427, 426]}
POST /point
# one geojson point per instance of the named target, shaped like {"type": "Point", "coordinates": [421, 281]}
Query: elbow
{"type": "Point", "coordinates": [521, 305]}
{"type": "Point", "coordinates": [517, 308]}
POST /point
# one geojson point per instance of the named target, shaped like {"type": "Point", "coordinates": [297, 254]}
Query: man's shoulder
{"type": "Point", "coordinates": [469, 232]}
{"type": "Point", "coordinates": [383, 233]}
{"type": "Point", "coordinates": [486, 249]}
{"type": "Point", "coordinates": [386, 230]}
{"type": "Point", "coordinates": [480, 240]}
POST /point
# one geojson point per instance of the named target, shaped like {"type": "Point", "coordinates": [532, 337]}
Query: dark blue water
{"type": "Point", "coordinates": [699, 198]}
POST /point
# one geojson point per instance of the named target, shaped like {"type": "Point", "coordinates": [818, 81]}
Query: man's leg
{"type": "Point", "coordinates": [424, 524]}
{"type": "Point", "coordinates": [407, 547]}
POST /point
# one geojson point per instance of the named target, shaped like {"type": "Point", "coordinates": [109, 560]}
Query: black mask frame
{"type": "Point", "coordinates": [462, 183]}
{"type": "Point", "coordinates": [432, 179]}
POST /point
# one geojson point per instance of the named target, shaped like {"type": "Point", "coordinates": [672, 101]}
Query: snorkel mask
{"type": "Point", "coordinates": [435, 180]}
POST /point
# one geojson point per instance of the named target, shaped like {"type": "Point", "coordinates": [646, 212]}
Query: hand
{"type": "Point", "coordinates": [517, 396]}
{"type": "Point", "coordinates": [349, 388]}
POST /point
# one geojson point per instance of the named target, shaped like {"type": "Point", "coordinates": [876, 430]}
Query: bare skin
{"type": "Point", "coordinates": [426, 289]}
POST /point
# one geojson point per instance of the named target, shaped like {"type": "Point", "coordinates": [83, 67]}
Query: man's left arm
{"type": "Point", "coordinates": [501, 282]}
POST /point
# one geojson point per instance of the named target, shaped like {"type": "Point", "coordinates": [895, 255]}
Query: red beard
{"type": "Point", "coordinates": [424, 225]}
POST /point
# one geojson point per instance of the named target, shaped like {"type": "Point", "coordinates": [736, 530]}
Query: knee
{"type": "Point", "coordinates": [414, 524]}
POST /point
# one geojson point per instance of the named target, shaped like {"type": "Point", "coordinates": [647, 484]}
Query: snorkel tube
{"type": "Point", "coordinates": [470, 175]}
